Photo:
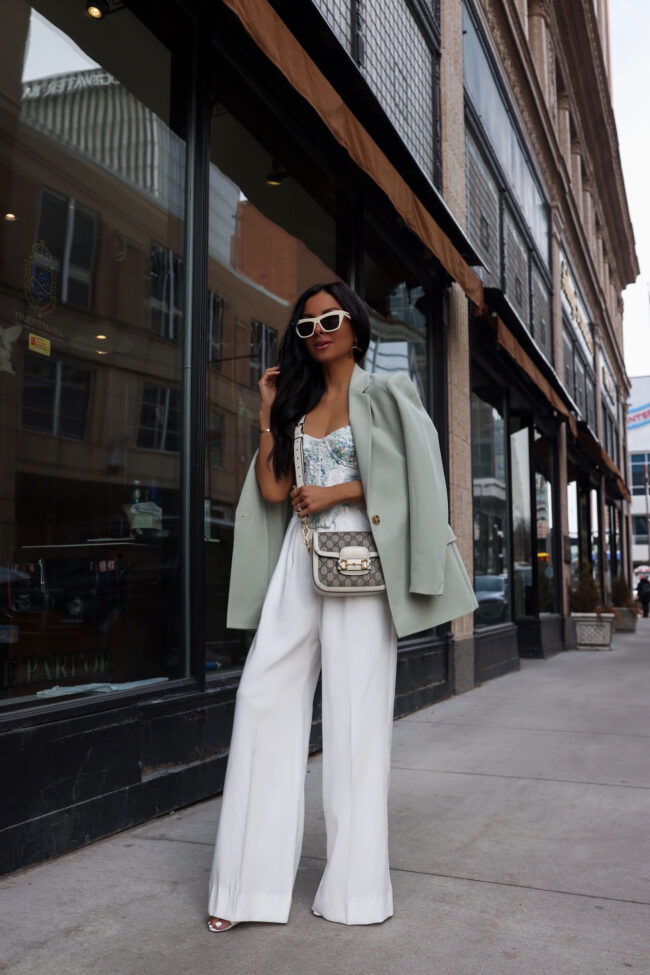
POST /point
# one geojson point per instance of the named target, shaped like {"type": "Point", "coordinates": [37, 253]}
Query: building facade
{"type": "Point", "coordinates": [171, 182]}
{"type": "Point", "coordinates": [638, 434]}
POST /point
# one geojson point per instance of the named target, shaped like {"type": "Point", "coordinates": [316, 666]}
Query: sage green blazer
{"type": "Point", "coordinates": [406, 499]}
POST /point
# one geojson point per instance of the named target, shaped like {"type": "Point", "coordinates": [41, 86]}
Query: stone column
{"type": "Point", "coordinates": [599, 255]}
{"type": "Point", "coordinates": [460, 472]}
{"type": "Point", "coordinates": [458, 392]}
{"type": "Point", "coordinates": [557, 234]}
{"type": "Point", "coordinates": [601, 434]}
{"type": "Point", "coordinates": [576, 173]}
{"type": "Point", "coordinates": [538, 39]}
{"type": "Point", "coordinates": [522, 9]}
{"type": "Point", "coordinates": [452, 109]}
{"type": "Point", "coordinates": [588, 216]}
{"type": "Point", "coordinates": [564, 127]}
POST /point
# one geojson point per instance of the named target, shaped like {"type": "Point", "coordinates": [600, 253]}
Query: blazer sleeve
{"type": "Point", "coordinates": [428, 503]}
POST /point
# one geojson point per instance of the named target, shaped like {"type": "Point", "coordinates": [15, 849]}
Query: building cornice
{"type": "Point", "coordinates": [578, 32]}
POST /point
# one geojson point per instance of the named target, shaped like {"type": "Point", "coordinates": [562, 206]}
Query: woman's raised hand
{"type": "Point", "coordinates": [267, 386]}
{"type": "Point", "coordinates": [312, 498]}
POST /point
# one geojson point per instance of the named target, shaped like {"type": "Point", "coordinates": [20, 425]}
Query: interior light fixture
{"type": "Point", "coordinates": [101, 351]}
{"type": "Point", "coordinates": [97, 9]}
{"type": "Point", "coordinates": [100, 337]}
{"type": "Point", "coordinates": [10, 217]}
{"type": "Point", "coordinates": [277, 175]}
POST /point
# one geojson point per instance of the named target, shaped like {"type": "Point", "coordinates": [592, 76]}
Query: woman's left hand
{"type": "Point", "coordinates": [310, 498]}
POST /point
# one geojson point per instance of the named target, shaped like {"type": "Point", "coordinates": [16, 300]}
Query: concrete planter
{"type": "Point", "coordinates": [592, 632]}
{"type": "Point", "coordinates": [626, 619]}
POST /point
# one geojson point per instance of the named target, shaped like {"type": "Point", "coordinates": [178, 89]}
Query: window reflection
{"type": "Point", "coordinates": [55, 397]}
{"type": "Point", "coordinates": [544, 523]}
{"type": "Point", "coordinates": [522, 582]}
{"type": "Point", "coordinates": [574, 538]}
{"type": "Point", "coordinates": [490, 513]}
{"type": "Point", "coordinates": [399, 312]}
{"type": "Point", "coordinates": [595, 533]}
{"type": "Point", "coordinates": [268, 241]}
{"type": "Point", "coordinates": [70, 231]}
{"type": "Point", "coordinates": [92, 291]}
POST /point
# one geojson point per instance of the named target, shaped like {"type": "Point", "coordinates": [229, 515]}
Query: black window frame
{"type": "Point", "coordinates": [68, 271]}
{"type": "Point", "coordinates": [58, 384]}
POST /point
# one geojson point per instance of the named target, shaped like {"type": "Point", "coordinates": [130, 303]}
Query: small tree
{"type": "Point", "coordinates": [621, 594]}
{"type": "Point", "coordinates": [585, 597]}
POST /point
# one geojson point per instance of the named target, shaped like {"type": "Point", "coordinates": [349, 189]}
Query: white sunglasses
{"type": "Point", "coordinates": [330, 321]}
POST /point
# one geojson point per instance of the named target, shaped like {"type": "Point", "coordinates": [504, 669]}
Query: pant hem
{"type": "Point", "coordinates": [357, 910]}
{"type": "Point", "coordinates": [274, 908]}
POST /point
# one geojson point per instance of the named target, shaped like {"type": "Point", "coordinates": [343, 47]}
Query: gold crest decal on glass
{"type": "Point", "coordinates": [40, 279]}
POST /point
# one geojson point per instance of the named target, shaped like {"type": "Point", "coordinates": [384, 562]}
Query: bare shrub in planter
{"type": "Point", "coordinates": [624, 604]}
{"type": "Point", "coordinates": [594, 623]}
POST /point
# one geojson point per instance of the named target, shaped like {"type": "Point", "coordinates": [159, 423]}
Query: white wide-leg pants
{"type": "Point", "coordinates": [260, 832]}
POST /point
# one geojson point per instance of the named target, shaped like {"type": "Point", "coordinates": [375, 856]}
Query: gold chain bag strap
{"type": "Point", "coordinates": [343, 563]}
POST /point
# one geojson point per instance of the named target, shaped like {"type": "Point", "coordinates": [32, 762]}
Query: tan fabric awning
{"type": "Point", "coordinates": [274, 38]}
{"type": "Point", "coordinates": [597, 452]}
{"type": "Point", "coordinates": [506, 340]}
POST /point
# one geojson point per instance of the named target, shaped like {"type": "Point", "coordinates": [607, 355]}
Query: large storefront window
{"type": "Point", "coordinates": [92, 164]}
{"type": "Point", "coordinates": [490, 503]}
{"type": "Point", "coordinates": [278, 223]}
{"type": "Point", "coordinates": [573, 540]}
{"type": "Point", "coordinates": [613, 555]}
{"type": "Point", "coordinates": [595, 533]}
{"type": "Point", "coordinates": [522, 581]}
{"type": "Point", "coordinates": [272, 233]}
{"type": "Point", "coordinates": [544, 479]}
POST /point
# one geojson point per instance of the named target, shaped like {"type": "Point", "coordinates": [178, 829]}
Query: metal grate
{"type": "Point", "coordinates": [398, 66]}
{"type": "Point", "coordinates": [516, 268]}
{"type": "Point", "coordinates": [386, 41]}
{"type": "Point", "coordinates": [542, 318]}
{"type": "Point", "coordinates": [338, 14]}
{"type": "Point", "coordinates": [483, 214]}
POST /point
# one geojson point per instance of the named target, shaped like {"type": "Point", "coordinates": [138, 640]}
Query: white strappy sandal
{"type": "Point", "coordinates": [220, 925]}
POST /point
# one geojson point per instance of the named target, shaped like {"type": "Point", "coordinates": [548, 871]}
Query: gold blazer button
{"type": "Point", "coordinates": [375, 519]}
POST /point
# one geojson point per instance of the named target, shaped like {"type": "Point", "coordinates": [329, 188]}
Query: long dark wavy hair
{"type": "Point", "coordinates": [301, 383]}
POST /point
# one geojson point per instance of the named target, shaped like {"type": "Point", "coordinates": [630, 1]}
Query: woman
{"type": "Point", "coordinates": [369, 446]}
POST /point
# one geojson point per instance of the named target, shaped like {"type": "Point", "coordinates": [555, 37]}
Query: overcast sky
{"type": "Point", "coordinates": [630, 31]}
{"type": "Point", "coordinates": [50, 51]}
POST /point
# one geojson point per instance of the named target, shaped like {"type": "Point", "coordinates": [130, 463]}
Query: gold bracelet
{"type": "Point", "coordinates": [265, 429]}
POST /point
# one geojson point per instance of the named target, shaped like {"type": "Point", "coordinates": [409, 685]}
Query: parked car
{"type": "Point", "coordinates": [492, 595]}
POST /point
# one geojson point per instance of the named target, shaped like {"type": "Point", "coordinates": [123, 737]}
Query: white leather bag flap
{"type": "Point", "coordinates": [354, 559]}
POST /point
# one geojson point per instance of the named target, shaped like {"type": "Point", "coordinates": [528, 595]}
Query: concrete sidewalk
{"type": "Point", "coordinates": [520, 825]}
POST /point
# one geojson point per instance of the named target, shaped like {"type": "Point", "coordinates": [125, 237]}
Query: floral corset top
{"type": "Point", "coordinates": [330, 460]}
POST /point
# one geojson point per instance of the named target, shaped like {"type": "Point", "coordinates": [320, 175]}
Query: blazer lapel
{"type": "Point", "coordinates": [361, 420]}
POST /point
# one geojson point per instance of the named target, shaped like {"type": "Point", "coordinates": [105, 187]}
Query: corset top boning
{"type": "Point", "coordinates": [330, 460]}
